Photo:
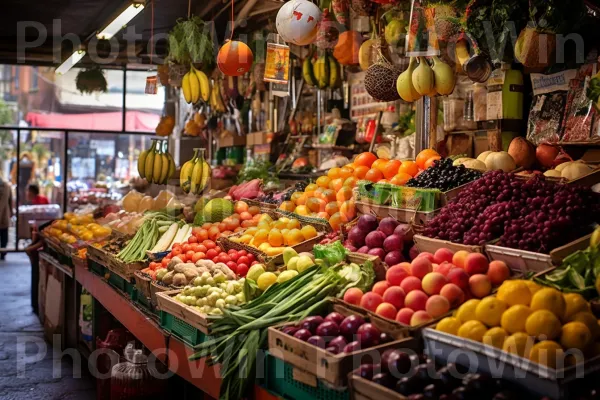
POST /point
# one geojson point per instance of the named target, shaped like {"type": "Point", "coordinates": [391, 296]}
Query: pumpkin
{"type": "Point", "coordinates": [347, 48]}
{"type": "Point", "coordinates": [235, 58]}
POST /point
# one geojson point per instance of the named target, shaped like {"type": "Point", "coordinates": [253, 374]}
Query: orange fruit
{"type": "Point", "coordinates": [323, 181]}
{"type": "Point", "coordinates": [346, 172]}
{"type": "Point", "coordinates": [430, 161]}
{"type": "Point", "coordinates": [302, 199]}
{"type": "Point", "coordinates": [240, 207]}
{"type": "Point", "coordinates": [333, 173]}
{"type": "Point", "coordinates": [295, 196]}
{"type": "Point", "coordinates": [409, 167]}
{"type": "Point", "coordinates": [275, 238]}
{"type": "Point", "coordinates": [294, 237]}
{"type": "Point", "coordinates": [336, 221]}
{"type": "Point", "coordinates": [351, 182]}
{"type": "Point", "coordinates": [328, 195]}
{"type": "Point", "coordinates": [400, 179]}
{"type": "Point", "coordinates": [361, 171]}
{"type": "Point", "coordinates": [323, 215]}
{"type": "Point", "coordinates": [337, 184]}
{"type": "Point", "coordinates": [302, 210]}
{"type": "Point", "coordinates": [316, 204]}
{"type": "Point", "coordinates": [425, 155]}
{"type": "Point", "coordinates": [391, 168]}
{"type": "Point", "coordinates": [253, 210]}
{"type": "Point", "coordinates": [380, 164]}
{"type": "Point", "coordinates": [311, 187]}
{"type": "Point", "coordinates": [309, 232]}
{"type": "Point", "coordinates": [365, 159]}
{"type": "Point", "coordinates": [374, 175]}
{"type": "Point", "coordinates": [294, 223]}
{"type": "Point", "coordinates": [332, 207]}
{"type": "Point", "coordinates": [344, 194]}
{"type": "Point", "coordinates": [348, 211]}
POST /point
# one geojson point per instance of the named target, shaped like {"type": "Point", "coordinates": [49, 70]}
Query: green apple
{"type": "Point", "coordinates": [288, 253]}
{"type": "Point", "coordinates": [286, 276]}
{"type": "Point", "coordinates": [303, 263]}
{"type": "Point", "coordinates": [291, 264]}
{"type": "Point", "coordinates": [255, 271]}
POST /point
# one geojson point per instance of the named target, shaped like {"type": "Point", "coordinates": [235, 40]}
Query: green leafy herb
{"type": "Point", "coordinates": [333, 253]}
{"type": "Point", "coordinates": [91, 80]}
{"type": "Point", "coordinates": [190, 42]}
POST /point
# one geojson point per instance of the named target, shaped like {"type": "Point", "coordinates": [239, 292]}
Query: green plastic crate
{"type": "Point", "coordinates": [279, 380]}
{"type": "Point", "coordinates": [143, 302]}
{"type": "Point", "coordinates": [120, 283]}
{"type": "Point", "coordinates": [181, 329]}
{"type": "Point", "coordinates": [96, 268]}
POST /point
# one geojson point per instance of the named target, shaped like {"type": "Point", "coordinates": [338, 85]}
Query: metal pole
{"type": "Point", "coordinates": [64, 171]}
{"type": "Point", "coordinates": [124, 111]}
{"type": "Point", "coordinates": [18, 181]}
{"type": "Point", "coordinates": [422, 124]}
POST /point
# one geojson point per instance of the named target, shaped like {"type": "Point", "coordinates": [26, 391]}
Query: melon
{"type": "Point", "coordinates": [297, 22]}
{"type": "Point", "coordinates": [522, 151]}
{"type": "Point", "coordinates": [217, 209]}
{"type": "Point", "coordinates": [500, 160]}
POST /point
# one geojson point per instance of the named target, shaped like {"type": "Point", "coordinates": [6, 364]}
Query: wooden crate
{"type": "Point", "coordinates": [406, 216]}
{"type": "Point", "coordinates": [363, 389]}
{"type": "Point", "coordinates": [330, 367]}
{"type": "Point", "coordinates": [263, 206]}
{"type": "Point", "coordinates": [110, 261]}
{"type": "Point", "coordinates": [142, 283]}
{"type": "Point", "coordinates": [155, 288]}
{"type": "Point", "coordinates": [190, 315]}
{"type": "Point", "coordinates": [379, 266]}
{"type": "Point", "coordinates": [430, 245]}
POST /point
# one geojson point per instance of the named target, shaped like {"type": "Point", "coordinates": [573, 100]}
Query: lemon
{"type": "Point", "coordinates": [575, 304]}
{"type": "Point", "coordinates": [473, 330]}
{"type": "Point", "coordinates": [490, 310]}
{"type": "Point", "coordinates": [514, 292]}
{"type": "Point", "coordinates": [449, 325]}
{"type": "Point", "coordinates": [466, 312]}
{"type": "Point", "coordinates": [518, 343]}
{"type": "Point", "coordinates": [575, 335]}
{"type": "Point", "coordinates": [533, 287]}
{"type": "Point", "coordinates": [513, 319]}
{"type": "Point", "coordinates": [589, 320]}
{"type": "Point", "coordinates": [495, 337]}
{"type": "Point", "coordinates": [551, 300]}
{"type": "Point", "coordinates": [266, 280]}
{"type": "Point", "coordinates": [543, 325]}
{"type": "Point", "coordinates": [547, 353]}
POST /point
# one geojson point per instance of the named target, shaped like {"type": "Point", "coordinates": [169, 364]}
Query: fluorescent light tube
{"type": "Point", "coordinates": [118, 23]}
{"type": "Point", "coordinates": [70, 62]}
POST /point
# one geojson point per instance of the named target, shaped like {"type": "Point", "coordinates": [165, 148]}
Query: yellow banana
{"type": "Point", "coordinates": [462, 53]}
{"type": "Point", "coordinates": [196, 176]}
{"type": "Point", "coordinates": [141, 164]}
{"type": "Point", "coordinates": [157, 168]}
{"type": "Point", "coordinates": [149, 165]}
{"type": "Point", "coordinates": [186, 88]}
{"type": "Point", "coordinates": [206, 174]}
{"type": "Point", "coordinates": [195, 86]}
{"type": "Point", "coordinates": [184, 176]}
{"type": "Point", "coordinates": [171, 166]}
{"type": "Point", "coordinates": [165, 169]}
{"type": "Point", "coordinates": [204, 84]}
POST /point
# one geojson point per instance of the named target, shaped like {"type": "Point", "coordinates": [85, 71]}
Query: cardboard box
{"type": "Point", "coordinates": [256, 138]}
{"type": "Point", "coordinates": [231, 141]}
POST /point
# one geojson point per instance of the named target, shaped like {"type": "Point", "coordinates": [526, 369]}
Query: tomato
{"type": "Point", "coordinates": [232, 251]}
{"type": "Point", "coordinates": [211, 253]}
{"type": "Point", "coordinates": [185, 248]}
{"type": "Point", "coordinates": [176, 246]}
{"type": "Point", "coordinates": [189, 254]}
{"type": "Point", "coordinates": [242, 252]}
{"type": "Point", "coordinates": [243, 260]}
{"type": "Point", "coordinates": [198, 256]}
{"type": "Point", "coordinates": [254, 263]}
{"type": "Point", "coordinates": [224, 258]}
{"type": "Point", "coordinates": [196, 230]}
{"type": "Point", "coordinates": [222, 227]}
{"type": "Point", "coordinates": [194, 247]}
{"type": "Point", "coordinates": [234, 256]}
{"type": "Point", "coordinates": [193, 239]}
{"type": "Point", "coordinates": [219, 250]}
{"type": "Point", "coordinates": [207, 225]}
{"type": "Point", "coordinates": [153, 275]}
{"type": "Point", "coordinates": [209, 244]}
{"type": "Point", "coordinates": [242, 270]}
{"type": "Point", "coordinates": [232, 266]}
{"type": "Point", "coordinates": [152, 265]}
{"type": "Point", "coordinates": [182, 257]}
{"type": "Point", "coordinates": [165, 261]}
{"type": "Point", "coordinates": [176, 251]}
{"type": "Point", "coordinates": [251, 257]}
{"type": "Point", "coordinates": [202, 248]}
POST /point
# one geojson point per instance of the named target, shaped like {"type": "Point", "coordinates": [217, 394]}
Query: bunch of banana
{"type": "Point", "coordinates": [216, 100]}
{"type": "Point", "coordinates": [307, 71]}
{"type": "Point", "coordinates": [326, 72]}
{"type": "Point", "coordinates": [195, 86]}
{"type": "Point", "coordinates": [156, 164]}
{"type": "Point", "coordinates": [195, 173]}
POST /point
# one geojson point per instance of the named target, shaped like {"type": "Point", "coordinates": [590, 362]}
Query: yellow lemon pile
{"type": "Point", "coordinates": [532, 321]}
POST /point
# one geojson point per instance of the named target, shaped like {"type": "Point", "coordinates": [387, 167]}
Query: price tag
{"type": "Point", "coordinates": [151, 85]}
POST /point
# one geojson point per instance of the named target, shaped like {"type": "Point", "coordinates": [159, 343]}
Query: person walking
{"type": "Point", "coordinates": [5, 213]}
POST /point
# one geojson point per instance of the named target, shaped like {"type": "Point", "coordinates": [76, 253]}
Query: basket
{"type": "Point", "coordinates": [155, 288]}
{"type": "Point", "coordinates": [115, 265]}
{"type": "Point", "coordinates": [404, 215]}
{"type": "Point", "coordinates": [191, 316]}
{"type": "Point", "coordinates": [261, 205]}
{"type": "Point", "coordinates": [176, 73]}
{"type": "Point", "coordinates": [142, 283]}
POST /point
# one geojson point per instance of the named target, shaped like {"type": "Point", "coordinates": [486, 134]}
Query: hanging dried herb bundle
{"type": "Point", "coordinates": [190, 42]}
{"type": "Point", "coordinates": [91, 80]}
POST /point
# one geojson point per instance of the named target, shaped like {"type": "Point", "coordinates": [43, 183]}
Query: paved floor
{"type": "Point", "coordinates": [24, 372]}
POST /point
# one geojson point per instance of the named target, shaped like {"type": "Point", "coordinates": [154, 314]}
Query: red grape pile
{"type": "Point", "coordinates": [532, 215]}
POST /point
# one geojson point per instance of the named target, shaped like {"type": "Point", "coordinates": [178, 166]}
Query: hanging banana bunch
{"type": "Point", "coordinates": [195, 173]}
{"type": "Point", "coordinates": [196, 86]}
{"type": "Point", "coordinates": [156, 164]}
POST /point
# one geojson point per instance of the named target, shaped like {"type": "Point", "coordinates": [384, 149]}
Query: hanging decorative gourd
{"type": "Point", "coordinates": [297, 21]}
{"type": "Point", "coordinates": [235, 58]}
{"type": "Point", "coordinates": [347, 49]}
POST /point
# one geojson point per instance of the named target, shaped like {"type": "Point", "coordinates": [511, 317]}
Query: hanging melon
{"type": "Point", "coordinates": [235, 58]}
{"type": "Point", "coordinates": [347, 49]}
{"type": "Point", "coordinates": [297, 22]}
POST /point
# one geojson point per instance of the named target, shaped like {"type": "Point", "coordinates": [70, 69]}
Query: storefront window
{"type": "Point", "coordinates": [143, 110]}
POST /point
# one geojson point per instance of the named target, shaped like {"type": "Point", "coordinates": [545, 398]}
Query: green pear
{"type": "Point", "coordinates": [286, 276]}
{"type": "Point", "coordinates": [291, 264]}
{"type": "Point", "coordinates": [288, 253]}
{"type": "Point", "coordinates": [303, 263]}
{"type": "Point", "coordinates": [255, 271]}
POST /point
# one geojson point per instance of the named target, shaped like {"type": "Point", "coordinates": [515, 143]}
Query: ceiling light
{"type": "Point", "coordinates": [121, 21]}
{"type": "Point", "coordinates": [70, 62]}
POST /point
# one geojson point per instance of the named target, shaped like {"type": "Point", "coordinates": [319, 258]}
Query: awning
{"type": "Point", "coordinates": [135, 121]}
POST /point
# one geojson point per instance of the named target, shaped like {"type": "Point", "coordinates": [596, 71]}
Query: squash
{"type": "Point", "coordinates": [460, 161]}
{"type": "Point", "coordinates": [500, 160]}
{"type": "Point", "coordinates": [484, 155]}
{"type": "Point", "coordinates": [347, 49]}
{"type": "Point", "coordinates": [575, 170]}
{"type": "Point", "coordinates": [163, 198]}
{"type": "Point", "coordinates": [475, 164]}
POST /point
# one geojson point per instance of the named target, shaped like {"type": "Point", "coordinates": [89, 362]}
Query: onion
{"type": "Point", "coordinates": [388, 225]}
{"type": "Point", "coordinates": [402, 230]}
{"type": "Point", "coordinates": [335, 317]}
{"type": "Point", "coordinates": [367, 223]}
{"type": "Point", "coordinates": [339, 342]}
{"type": "Point", "coordinates": [368, 335]}
{"type": "Point", "coordinates": [311, 323]}
{"type": "Point", "coordinates": [328, 329]}
{"type": "Point", "coordinates": [290, 329]}
{"type": "Point", "coordinates": [316, 341]}
{"type": "Point", "coordinates": [302, 334]}
{"type": "Point", "coordinates": [350, 325]}
{"type": "Point", "coordinates": [352, 347]}
{"type": "Point", "coordinates": [365, 371]}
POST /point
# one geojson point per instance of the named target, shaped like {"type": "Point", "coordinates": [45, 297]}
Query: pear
{"type": "Point", "coordinates": [291, 264]}
{"type": "Point", "coordinates": [304, 263]}
{"type": "Point", "coordinates": [444, 77]}
{"type": "Point", "coordinates": [288, 253]}
{"type": "Point", "coordinates": [404, 84]}
{"type": "Point", "coordinates": [422, 78]}
{"type": "Point", "coordinates": [286, 276]}
{"type": "Point", "coordinates": [255, 271]}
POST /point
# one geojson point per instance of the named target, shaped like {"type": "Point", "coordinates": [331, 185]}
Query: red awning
{"type": "Point", "coordinates": [135, 121]}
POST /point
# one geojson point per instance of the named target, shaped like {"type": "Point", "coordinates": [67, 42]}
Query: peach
{"type": "Point", "coordinates": [416, 300]}
{"type": "Point", "coordinates": [498, 272]}
{"type": "Point", "coordinates": [437, 306]}
{"type": "Point", "coordinates": [442, 255]}
{"type": "Point", "coordinates": [459, 258]}
{"type": "Point", "coordinates": [480, 285]}
{"type": "Point", "coordinates": [459, 277]}
{"type": "Point", "coordinates": [419, 318]}
{"type": "Point", "coordinates": [395, 275]}
{"type": "Point", "coordinates": [420, 267]}
{"type": "Point", "coordinates": [386, 310]}
{"type": "Point", "coordinates": [380, 287]}
{"type": "Point", "coordinates": [404, 316]}
{"type": "Point", "coordinates": [370, 301]}
{"type": "Point", "coordinates": [425, 254]}
{"type": "Point", "coordinates": [353, 296]}
{"type": "Point", "coordinates": [454, 294]}
{"type": "Point", "coordinates": [395, 296]}
{"type": "Point", "coordinates": [444, 268]}
{"type": "Point", "coordinates": [476, 263]}
{"type": "Point", "coordinates": [433, 283]}
{"type": "Point", "coordinates": [411, 283]}
{"type": "Point", "coordinates": [406, 266]}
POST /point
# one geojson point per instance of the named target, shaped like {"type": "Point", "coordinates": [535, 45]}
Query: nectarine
{"type": "Point", "coordinates": [395, 296]}
{"type": "Point", "coordinates": [404, 315]}
{"type": "Point", "coordinates": [419, 318]}
{"type": "Point", "coordinates": [416, 300]}
{"type": "Point", "coordinates": [480, 285]}
{"type": "Point", "coordinates": [420, 267]}
{"type": "Point", "coordinates": [437, 306]}
{"type": "Point", "coordinates": [433, 283]}
{"type": "Point", "coordinates": [386, 310]}
{"type": "Point", "coordinates": [411, 283]}
{"type": "Point", "coordinates": [459, 257]}
{"type": "Point", "coordinates": [498, 272]}
{"type": "Point", "coordinates": [396, 274]}
{"type": "Point", "coordinates": [442, 255]}
{"type": "Point", "coordinates": [476, 263]}
{"type": "Point", "coordinates": [353, 296]}
{"type": "Point", "coordinates": [380, 287]}
{"type": "Point", "coordinates": [454, 294]}
{"type": "Point", "coordinates": [370, 301]}
{"type": "Point", "coordinates": [459, 277]}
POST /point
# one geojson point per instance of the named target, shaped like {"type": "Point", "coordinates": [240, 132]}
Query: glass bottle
{"type": "Point", "coordinates": [135, 379]}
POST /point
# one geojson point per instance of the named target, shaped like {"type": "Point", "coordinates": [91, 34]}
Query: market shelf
{"type": "Point", "coordinates": [151, 335]}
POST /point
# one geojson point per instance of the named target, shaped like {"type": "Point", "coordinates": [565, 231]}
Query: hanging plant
{"type": "Point", "coordinates": [91, 80]}
{"type": "Point", "coordinates": [190, 42]}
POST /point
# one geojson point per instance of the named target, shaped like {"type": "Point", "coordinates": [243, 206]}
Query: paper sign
{"type": "Point", "coordinates": [422, 38]}
{"type": "Point", "coordinates": [151, 85]}
{"type": "Point", "coordinates": [277, 68]}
